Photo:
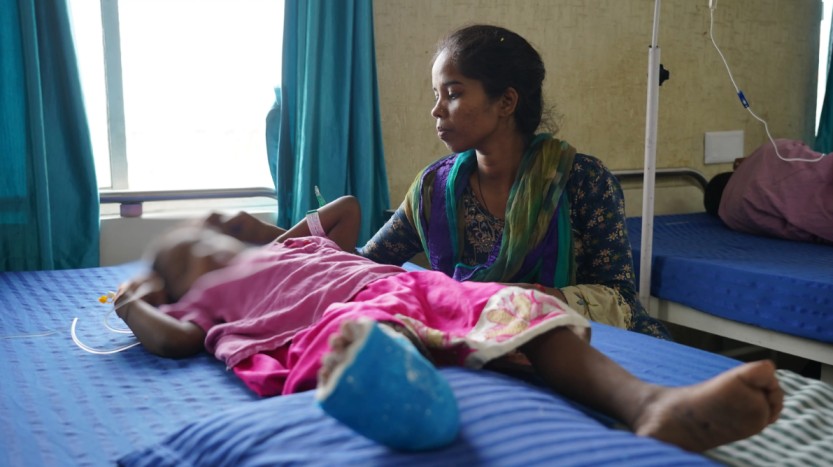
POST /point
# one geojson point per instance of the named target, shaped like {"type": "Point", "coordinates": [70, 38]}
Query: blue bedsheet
{"type": "Point", "coordinates": [775, 284]}
{"type": "Point", "coordinates": [61, 406]}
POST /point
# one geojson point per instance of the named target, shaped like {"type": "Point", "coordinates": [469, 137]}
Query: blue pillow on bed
{"type": "Point", "coordinates": [504, 421]}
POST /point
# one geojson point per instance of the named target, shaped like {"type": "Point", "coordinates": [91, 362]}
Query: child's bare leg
{"type": "Point", "coordinates": [733, 405]}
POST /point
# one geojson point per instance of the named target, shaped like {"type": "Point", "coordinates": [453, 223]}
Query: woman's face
{"type": "Point", "coordinates": [466, 117]}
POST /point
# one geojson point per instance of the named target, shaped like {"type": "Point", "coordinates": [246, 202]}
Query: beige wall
{"type": "Point", "coordinates": [596, 52]}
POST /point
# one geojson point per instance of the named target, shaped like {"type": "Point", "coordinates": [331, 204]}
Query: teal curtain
{"type": "Point", "coordinates": [329, 129]}
{"type": "Point", "coordinates": [48, 193]}
{"type": "Point", "coordinates": [824, 134]}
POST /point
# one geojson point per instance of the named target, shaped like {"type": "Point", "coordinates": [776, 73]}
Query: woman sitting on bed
{"type": "Point", "coordinates": [301, 311]}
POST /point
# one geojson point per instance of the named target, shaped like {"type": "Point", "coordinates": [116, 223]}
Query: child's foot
{"type": "Point", "coordinates": [733, 405]}
{"type": "Point", "coordinates": [374, 381]}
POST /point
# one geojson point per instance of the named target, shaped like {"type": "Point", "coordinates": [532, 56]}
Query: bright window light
{"type": "Point", "coordinates": [198, 79]}
{"type": "Point", "coordinates": [824, 51]}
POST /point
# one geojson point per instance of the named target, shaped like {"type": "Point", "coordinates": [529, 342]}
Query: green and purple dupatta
{"type": "Point", "coordinates": [537, 244]}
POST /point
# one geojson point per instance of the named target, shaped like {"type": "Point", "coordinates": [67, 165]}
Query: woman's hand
{"type": "Point", "coordinates": [244, 227]}
{"type": "Point", "coordinates": [554, 291]}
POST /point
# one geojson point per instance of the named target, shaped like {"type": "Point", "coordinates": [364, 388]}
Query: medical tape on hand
{"type": "Point", "coordinates": [314, 224]}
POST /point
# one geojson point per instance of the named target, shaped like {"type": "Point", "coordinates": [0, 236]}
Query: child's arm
{"type": "Point", "coordinates": [244, 227]}
{"type": "Point", "coordinates": [159, 333]}
{"type": "Point", "coordinates": [340, 220]}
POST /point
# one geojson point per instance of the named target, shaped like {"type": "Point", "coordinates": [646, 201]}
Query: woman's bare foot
{"type": "Point", "coordinates": [733, 405]}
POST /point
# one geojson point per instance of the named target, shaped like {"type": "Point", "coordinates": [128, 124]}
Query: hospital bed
{"type": "Point", "coordinates": [771, 293]}
{"type": "Point", "coordinates": [62, 405]}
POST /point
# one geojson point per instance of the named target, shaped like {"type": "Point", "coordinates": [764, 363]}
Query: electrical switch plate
{"type": "Point", "coordinates": [723, 146]}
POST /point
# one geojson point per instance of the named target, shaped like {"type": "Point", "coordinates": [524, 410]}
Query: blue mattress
{"type": "Point", "coordinates": [776, 284]}
{"type": "Point", "coordinates": [63, 406]}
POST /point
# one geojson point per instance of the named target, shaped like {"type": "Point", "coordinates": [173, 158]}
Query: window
{"type": "Point", "coordinates": [824, 46]}
{"type": "Point", "coordinates": [197, 78]}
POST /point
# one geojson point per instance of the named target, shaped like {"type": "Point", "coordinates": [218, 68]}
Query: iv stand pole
{"type": "Point", "coordinates": [650, 166]}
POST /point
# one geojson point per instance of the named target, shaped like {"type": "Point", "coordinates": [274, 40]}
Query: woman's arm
{"type": "Point", "coordinates": [395, 243]}
{"type": "Point", "coordinates": [605, 279]}
{"type": "Point", "coordinates": [159, 333]}
{"type": "Point", "coordinates": [554, 291]}
{"type": "Point", "coordinates": [597, 216]}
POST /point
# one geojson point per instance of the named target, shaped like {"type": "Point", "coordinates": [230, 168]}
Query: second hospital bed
{"type": "Point", "coordinates": [772, 293]}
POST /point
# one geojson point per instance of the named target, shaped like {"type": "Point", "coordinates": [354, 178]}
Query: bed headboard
{"type": "Point", "coordinates": [678, 191]}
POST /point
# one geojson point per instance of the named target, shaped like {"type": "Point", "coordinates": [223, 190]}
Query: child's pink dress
{"type": "Point", "coordinates": [269, 315]}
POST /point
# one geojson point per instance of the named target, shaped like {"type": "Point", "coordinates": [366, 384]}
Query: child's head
{"type": "Point", "coordinates": [185, 254]}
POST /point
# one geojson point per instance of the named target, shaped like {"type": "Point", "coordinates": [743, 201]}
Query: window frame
{"type": "Point", "coordinates": [115, 113]}
{"type": "Point", "coordinates": [114, 91]}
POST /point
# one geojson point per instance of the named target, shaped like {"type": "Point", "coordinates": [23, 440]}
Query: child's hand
{"type": "Point", "coordinates": [148, 288]}
{"type": "Point", "coordinates": [244, 227]}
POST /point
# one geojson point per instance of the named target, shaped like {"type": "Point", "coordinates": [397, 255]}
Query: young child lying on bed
{"type": "Point", "coordinates": [302, 311]}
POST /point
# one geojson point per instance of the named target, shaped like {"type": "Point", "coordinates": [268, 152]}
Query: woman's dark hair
{"type": "Point", "coordinates": [714, 191]}
{"type": "Point", "coordinates": [500, 59]}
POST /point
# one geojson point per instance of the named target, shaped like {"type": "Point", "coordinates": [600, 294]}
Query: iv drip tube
{"type": "Point", "coordinates": [650, 165]}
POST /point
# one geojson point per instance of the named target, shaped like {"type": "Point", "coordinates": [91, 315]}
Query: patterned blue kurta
{"type": "Point", "coordinates": [597, 214]}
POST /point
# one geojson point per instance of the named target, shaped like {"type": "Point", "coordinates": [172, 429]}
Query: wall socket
{"type": "Point", "coordinates": [723, 146]}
